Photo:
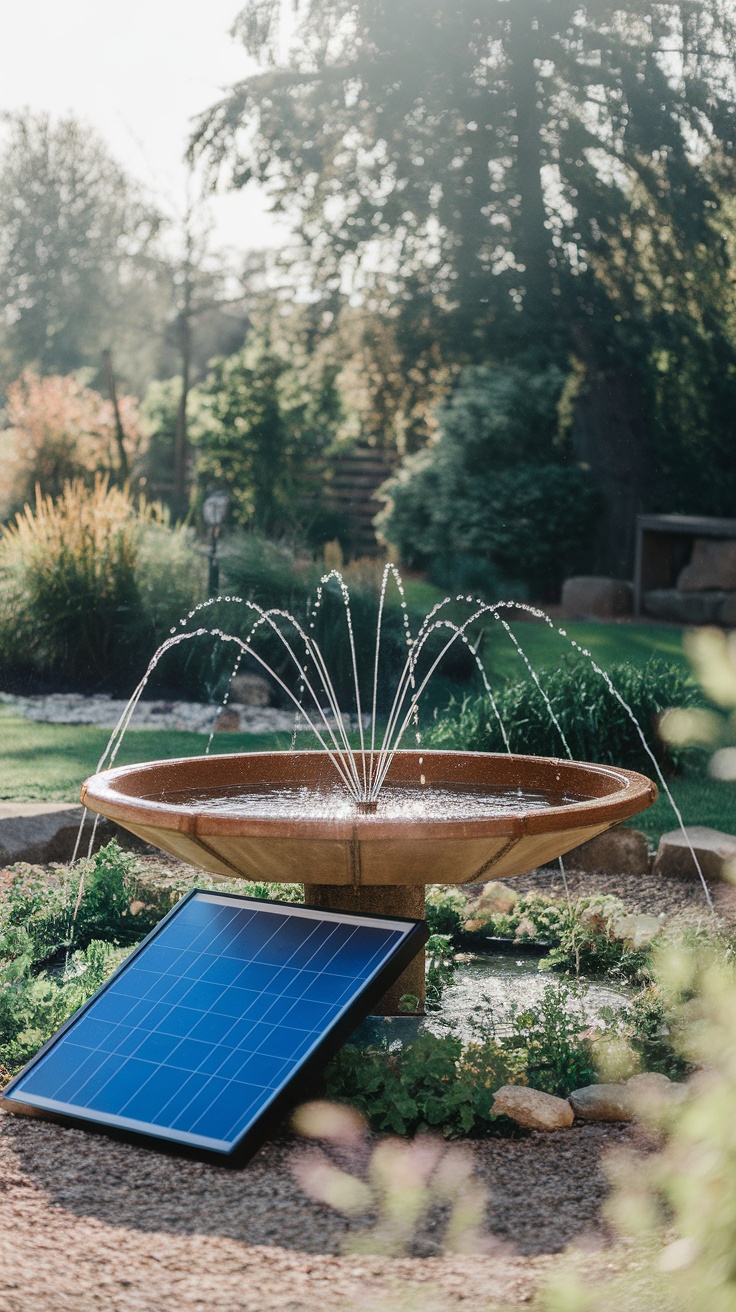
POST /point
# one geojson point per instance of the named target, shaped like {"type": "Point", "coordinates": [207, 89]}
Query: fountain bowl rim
{"type": "Point", "coordinates": [622, 794]}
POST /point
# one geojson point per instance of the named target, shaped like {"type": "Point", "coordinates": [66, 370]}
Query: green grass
{"type": "Point", "coordinates": [607, 643]}
{"type": "Point", "coordinates": [702, 801]}
{"type": "Point", "coordinates": [49, 762]}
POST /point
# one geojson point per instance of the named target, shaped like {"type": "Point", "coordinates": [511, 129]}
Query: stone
{"type": "Point", "coordinates": [636, 931]}
{"type": "Point", "coordinates": [227, 720]}
{"type": "Point", "coordinates": [40, 832]}
{"type": "Point", "coordinates": [713, 565]}
{"type": "Point", "coordinates": [619, 851]}
{"type": "Point", "coordinates": [496, 897]}
{"type": "Point", "coordinates": [250, 690]}
{"type": "Point", "coordinates": [601, 597]}
{"type": "Point", "coordinates": [603, 1102]}
{"type": "Point", "coordinates": [532, 1108]}
{"type": "Point", "coordinates": [684, 607]}
{"type": "Point", "coordinates": [715, 851]}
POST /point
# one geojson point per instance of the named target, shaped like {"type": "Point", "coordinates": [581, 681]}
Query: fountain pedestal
{"type": "Point", "coordinates": [379, 900]}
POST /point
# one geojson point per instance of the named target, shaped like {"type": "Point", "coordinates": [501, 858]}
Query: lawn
{"type": "Point", "coordinates": [48, 762]}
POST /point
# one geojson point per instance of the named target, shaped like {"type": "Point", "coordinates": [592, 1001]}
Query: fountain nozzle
{"type": "Point", "coordinates": [367, 808]}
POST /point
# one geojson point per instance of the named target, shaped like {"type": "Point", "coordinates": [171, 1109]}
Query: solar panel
{"type": "Point", "coordinates": [216, 1023]}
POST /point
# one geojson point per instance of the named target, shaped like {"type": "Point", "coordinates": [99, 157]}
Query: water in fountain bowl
{"type": "Point", "coordinates": [394, 802]}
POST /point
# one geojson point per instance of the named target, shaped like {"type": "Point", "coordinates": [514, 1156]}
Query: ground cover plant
{"type": "Point", "coordinates": [52, 960]}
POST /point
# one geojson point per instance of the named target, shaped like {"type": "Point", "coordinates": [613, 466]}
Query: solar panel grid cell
{"type": "Point", "coordinates": [210, 1019]}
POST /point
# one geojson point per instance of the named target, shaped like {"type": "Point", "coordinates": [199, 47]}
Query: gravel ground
{"type": "Point", "coordinates": [641, 893]}
{"type": "Point", "coordinates": [92, 1224]}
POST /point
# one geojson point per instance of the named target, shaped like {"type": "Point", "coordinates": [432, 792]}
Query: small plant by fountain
{"type": "Point", "coordinates": [364, 824]}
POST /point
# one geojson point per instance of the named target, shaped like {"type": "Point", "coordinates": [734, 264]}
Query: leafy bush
{"type": "Point", "coordinates": [58, 430]}
{"type": "Point", "coordinates": [595, 724]}
{"type": "Point", "coordinates": [496, 486]}
{"type": "Point", "coordinates": [588, 945]}
{"type": "Point", "coordinates": [90, 583]}
{"type": "Point", "coordinates": [34, 1005]}
{"type": "Point", "coordinates": [431, 1083]}
{"type": "Point", "coordinates": [549, 1043]}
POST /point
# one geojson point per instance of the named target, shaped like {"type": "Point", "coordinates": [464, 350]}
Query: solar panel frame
{"type": "Point", "coordinates": [306, 1069]}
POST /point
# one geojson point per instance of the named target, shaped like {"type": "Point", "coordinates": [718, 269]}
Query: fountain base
{"type": "Point", "coordinates": [379, 900]}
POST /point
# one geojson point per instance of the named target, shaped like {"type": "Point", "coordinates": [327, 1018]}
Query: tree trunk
{"type": "Point", "coordinates": [119, 433]}
{"type": "Point", "coordinates": [531, 240]}
{"type": "Point", "coordinates": [610, 435]}
{"type": "Point", "coordinates": [180, 432]}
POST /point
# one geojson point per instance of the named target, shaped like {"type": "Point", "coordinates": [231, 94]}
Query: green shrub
{"type": "Point", "coordinates": [595, 724]}
{"type": "Point", "coordinates": [587, 944]}
{"type": "Point", "coordinates": [496, 487]}
{"type": "Point", "coordinates": [549, 1043]}
{"type": "Point", "coordinates": [34, 1005]}
{"type": "Point", "coordinates": [433, 1083]}
{"type": "Point", "coordinates": [90, 584]}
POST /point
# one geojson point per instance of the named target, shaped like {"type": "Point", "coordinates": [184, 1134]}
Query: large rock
{"type": "Point", "coordinates": [713, 565]}
{"type": "Point", "coordinates": [685, 607]}
{"type": "Point", "coordinates": [591, 594]}
{"type": "Point", "coordinates": [715, 851]}
{"type": "Point", "coordinates": [603, 1102]}
{"type": "Point", "coordinates": [619, 851]}
{"type": "Point", "coordinates": [250, 690]}
{"type": "Point", "coordinates": [636, 931]}
{"type": "Point", "coordinates": [532, 1109]}
{"type": "Point", "coordinates": [38, 831]}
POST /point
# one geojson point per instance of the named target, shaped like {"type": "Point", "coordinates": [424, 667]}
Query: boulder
{"type": "Point", "coordinates": [250, 690]}
{"type": "Point", "coordinates": [715, 851]}
{"type": "Point", "coordinates": [227, 720]}
{"type": "Point", "coordinates": [685, 607]}
{"type": "Point", "coordinates": [617, 852]}
{"type": "Point", "coordinates": [601, 597]}
{"type": "Point", "coordinates": [713, 565]}
{"type": "Point", "coordinates": [496, 897]}
{"type": "Point", "coordinates": [636, 931]}
{"type": "Point", "coordinates": [40, 832]}
{"type": "Point", "coordinates": [532, 1108]}
{"type": "Point", "coordinates": [603, 1102]}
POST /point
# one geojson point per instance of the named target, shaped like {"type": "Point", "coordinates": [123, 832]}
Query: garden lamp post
{"type": "Point", "coordinates": [214, 510]}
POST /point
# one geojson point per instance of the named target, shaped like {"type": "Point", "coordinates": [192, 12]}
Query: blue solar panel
{"type": "Point", "coordinates": [212, 1020]}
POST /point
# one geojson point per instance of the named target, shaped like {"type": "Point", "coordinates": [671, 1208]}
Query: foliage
{"type": "Point", "coordinates": [440, 968]}
{"type": "Point", "coordinates": [596, 726]}
{"type": "Point", "coordinates": [464, 174]}
{"type": "Point", "coordinates": [403, 1182]}
{"type": "Point", "coordinates": [550, 1045]}
{"type": "Point", "coordinates": [684, 1195]}
{"type": "Point", "coordinates": [533, 916]}
{"type": "Point", "coordinates": [494, 487]}
{"type": "Point", "coordinates": [444, 905]}
{"type": "Point", "coordinates": [91, 583]}
{"type": "Point", "coordinates": [263, 438]}
{"type": "Point", "coordinates": [432, 1082]}
{"type": "Point", "coordinates": [33, 1006]}
{"type": "Point", "coordinates": [58, 430]}
{"type": "Point", "coordinates": [77, 251]}
{"type": "Point", "coordinates": [587, 942]}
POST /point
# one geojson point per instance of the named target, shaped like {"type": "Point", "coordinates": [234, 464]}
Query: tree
{"type": "Point", "coordinates": [264, 431]}
{"type": "Point", "coordinates": [78, 266]}
{"type": "Point", "coordinates": [495, 175]}
{"type": "Point", "coordinates": [58, 430]}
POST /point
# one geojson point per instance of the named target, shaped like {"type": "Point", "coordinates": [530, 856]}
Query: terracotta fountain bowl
{"type": "Point", "coordinates": [368, 849]}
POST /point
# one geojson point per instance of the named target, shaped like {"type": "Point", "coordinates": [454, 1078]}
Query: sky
{"type": "Point", "coordinates": [138, 72]}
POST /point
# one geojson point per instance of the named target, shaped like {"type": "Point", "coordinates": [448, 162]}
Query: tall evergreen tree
{"type": "Point", "coordinates": [496, 173]}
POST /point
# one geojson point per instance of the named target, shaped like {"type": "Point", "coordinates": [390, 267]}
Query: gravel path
{"type": "Point", "coordinates": [92, 1225]}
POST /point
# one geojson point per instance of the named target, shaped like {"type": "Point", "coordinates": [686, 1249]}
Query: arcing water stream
{"type": "Point", "coordinates": [363, 772]}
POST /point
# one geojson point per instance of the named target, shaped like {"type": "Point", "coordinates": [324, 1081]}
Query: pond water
{"type": "Point", "coordinates": [482, 999]}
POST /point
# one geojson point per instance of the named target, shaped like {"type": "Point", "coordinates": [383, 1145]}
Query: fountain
{"type": "Point", "coordinates": [364, 828]}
